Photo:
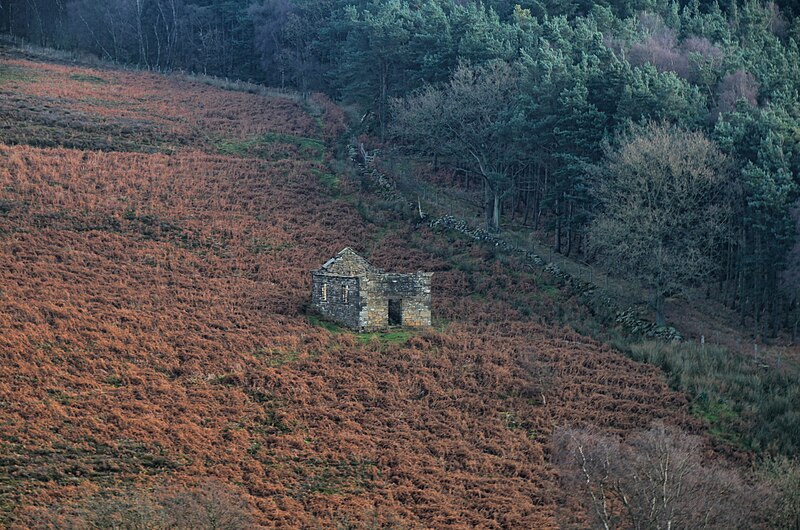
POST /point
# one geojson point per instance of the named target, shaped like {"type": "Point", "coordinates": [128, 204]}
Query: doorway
{"type": "Point", "coordinates": [395, 312]}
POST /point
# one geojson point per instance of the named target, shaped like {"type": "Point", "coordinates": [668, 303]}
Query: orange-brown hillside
{"type": "Point", "coordinates": [155, 238]}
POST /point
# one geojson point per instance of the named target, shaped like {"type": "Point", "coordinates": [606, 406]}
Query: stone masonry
{"type": "Point", "coordinates": [348, 290]}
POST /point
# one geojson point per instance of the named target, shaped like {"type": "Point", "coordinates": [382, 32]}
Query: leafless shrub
{"type": "Point", "coordinates": [209, 506]}
{"type": "Point", "coordinates": [590, 463]}
{"type": "Point", "coordinates": [662, 54]}
{"type": "Point", "coordinates": [736, 86]}
{"type": "Point", "coordinates": [659, 47]}
{"type": "Point", "coordinates": [777, 23]}
{"type": "Point", "coordinates": [705, 59]}
{"type": "Point", "coordinates": [783, 475]}
{"type": "Point", "coordinates": [691, 59]}
{"type": "Point", "coordinates": [658, 479]}
{"type": "Point", "coordinates": [704, 48]}
{"type": "Point", "coordinates": [653, 24]}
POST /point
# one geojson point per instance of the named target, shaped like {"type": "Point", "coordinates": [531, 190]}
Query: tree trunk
{"type": "Point", "coordinates": [540, 195]}
{"type": "Point", "coordinates": [527, 207]}
{"type": "Point", "coordinates": [35, 8]}
{"type": "Point", "coordinates": [558, 229]}
{"type": "Point", "coordinates": [5, 16]}
{"type": "Point", "coordinates": [657, 303]}
{"type": "Point", "coordinates": [174, 41]}
{"type": "Point", "coordinates": [495, 226]}
{"type": "Point", "coordinates": [384, 99]}
{"type": "Point", "coordinates": [140, 35]}
{"type": "Point", "coordinates": [487, 205]}
{"type": "Point", "coordinates": [158, 46]}
{"type": "Point", "coordinates": [569, 229]}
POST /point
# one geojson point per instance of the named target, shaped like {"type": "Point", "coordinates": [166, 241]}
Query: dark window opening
{"type": "Point", "coordinates": [395, 312]}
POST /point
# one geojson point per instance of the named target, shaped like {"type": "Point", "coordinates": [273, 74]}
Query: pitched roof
{"type": "Point", "coordinates": [347, 263]}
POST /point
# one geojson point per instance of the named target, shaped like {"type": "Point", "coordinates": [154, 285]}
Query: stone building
{"type": "Point", "coordinates": [347, 289]}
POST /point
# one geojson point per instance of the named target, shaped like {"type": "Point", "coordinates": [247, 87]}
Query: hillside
{"type": "Point", "coordinates": [157, 235]}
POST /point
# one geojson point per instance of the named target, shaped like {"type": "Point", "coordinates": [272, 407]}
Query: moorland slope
{"type": "Point", "coordinates": [156, 237]}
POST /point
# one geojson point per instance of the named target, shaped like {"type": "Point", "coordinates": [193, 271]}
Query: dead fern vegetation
{"type": "Point", "coordinates": [154, 338]}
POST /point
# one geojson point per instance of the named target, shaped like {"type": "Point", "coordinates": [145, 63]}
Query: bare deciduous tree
{"type": "Point", "coordinates": [469, 121]}
{"type": "Point", "coordinates": [734, 87]}
{"type": "Point", "coordinates": [657, 480]}
{"type": "Point", "coordinates": [664, 198]}
{"type": "Point", "coordinates": [211, 505]}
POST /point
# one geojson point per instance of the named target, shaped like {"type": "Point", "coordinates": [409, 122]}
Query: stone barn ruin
{"type": "Point", "coordinates": [348, 290]}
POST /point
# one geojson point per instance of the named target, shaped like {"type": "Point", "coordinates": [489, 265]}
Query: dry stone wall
{"type": "Point", "coordinates": [627, 318]}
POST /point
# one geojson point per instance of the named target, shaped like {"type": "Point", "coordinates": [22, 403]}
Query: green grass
{"type": "Point", "coordinates": [388, 337]}
{"type": "Point", "coordinates": [317, 118]}
{"type": "Point", "coordinates": [742, 401]}
{"type": "Point", "coordinates": [547, 288]}
{"type": "Point", "coordinates": [316, 321]}
{"type": "Point", "coordinates": [720, 419]}
{"type": "Point", "coordinates": [15, 73]}
{"type": "Point", "coordinates": [276, 358]}
{"type": "Point", "coordinates": [236, 148]}
{"type": "Point", "coordinates": [398, 336]}
{"type": "Point", "coordinates": [267, 146]}
{"type": "Point", "coordinates": [331, 477]}
{"type": "Point", "coordinates": [330, 180]}
{"type": "Point", "coordinates": [311, 145]}
{"type": "Point", "coordinates": [281, 358]}
{"type": "Point", "coordinates": [272, 424]}
{"type": "Point", "coordinates": [86, 78]}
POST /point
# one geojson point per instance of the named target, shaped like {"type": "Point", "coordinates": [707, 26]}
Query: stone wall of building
{"type": "Point", "coordinates": [348, 290]}
{"type": "Point", "coordinates": [337, 298]}
{"type": "Point", "coordinates": [413, 290]}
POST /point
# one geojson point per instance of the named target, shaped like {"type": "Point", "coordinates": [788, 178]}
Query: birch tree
{"type": "Point", "coordinates": [656, 479]}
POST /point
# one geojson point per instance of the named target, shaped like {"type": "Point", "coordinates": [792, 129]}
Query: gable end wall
{"type": "Point", "coordinates": [334, 307]}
